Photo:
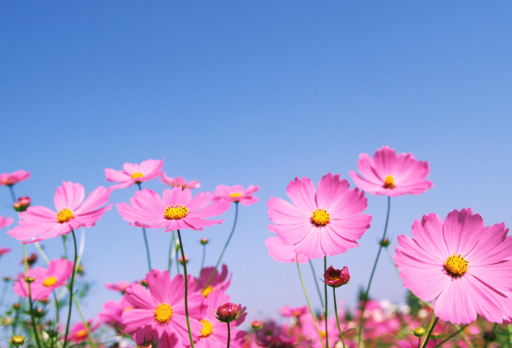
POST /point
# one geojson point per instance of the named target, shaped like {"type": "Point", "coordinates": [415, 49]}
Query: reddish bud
{"type": "Point", "coordinates": [336, 277]}
{"type": "Point", "coordinates": [186, 259]}
{"type": "Point", "coordinates": [31, 259]}
{"type": "Point", "coordinates": [256, 325]}
{"type": "Point", "coordinates": [228, 312]}
{"type": "Point", "coordinates": [7, 278]}
{"type": "Point", "coordinates": [22, 204]}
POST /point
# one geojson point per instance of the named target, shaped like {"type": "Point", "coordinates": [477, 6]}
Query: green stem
{"type": "Point", "coordinates": [371, 278]}
{"type": "Point", "coordinates": [71, 291]}
{"type": "Point", "coordinates": [13, 196]}
{"type": "Point", "coordinates": [171, 248]}
{"type": "Point", "coordinates": [223, 250]}
{"type": "Point", "coordinates": [432, 325]}
{"type": "Point", "coordinates": [145, 239]}
{"type": "Point", "coordinates": [86, 324]}
{"type": "Point", "coordinates": [64, 242]}
{"type": "Point", "coordinates": [493, 328]}
{"type": "Point", "coordinates": [229, 334]}
{"type": "Point", "coordinates": [451, 336]}
{"type": "Point", "coordinates": [30, 297]}
{"type": "Point", "coordinates": [57, 309]}
{"type": "Point", "coordinates": [509, 331]}
{"type": "Point", "coordinates": [204, 256]}
{"type": "Point", "coordinates": [309, 304]}
{"type": "Point", "coordinates": [43, 254]}
{"type": "Point", "coordinates": [186, 290]}
{"type": "Point", "coordinates": [316, 283]}
{"type": "Point", "coordinates": [464, 337]}
{"type": "Point", "coordinates": [337, 319]}
{"type": "Point", "coordinates": [325, 312]}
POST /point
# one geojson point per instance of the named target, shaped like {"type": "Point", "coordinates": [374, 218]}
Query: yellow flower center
{"type": "Point", "coordinates": [389, 182]}
{"type": "Point", "coordinates": [320, 218]}
{"type": "Point", "coordinates": [127, 309]}
{"type": "Point", "coordinates": [163, 313]}
{"type": "Point", "coordinates": [137, 175]}
{"type": "Point", "coordinates": [51, 281]}
{"type": "Point", "coordinates": [456, 265]}
{"type": "Point", "coordinates": [64, 215]}
{"type": "Point", "coordinates": [175, 212]}
{"type": "Point", "coordinates": [234, 195]}
{"type": "Point", "coordinates": [81, 334]}
{"type": "Point", "coordinates": [322, 333]}
{"type": "Point", "coordinates": [207, 328]}
{"type": "Point", "coordinates": [207, 291]}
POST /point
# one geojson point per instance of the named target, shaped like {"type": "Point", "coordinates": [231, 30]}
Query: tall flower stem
{"type": "Point", "coordinates": [186, 290]}
{"type": "Point", "coordinates": [204, 256]}
{"type": "Point", "coordinates": [432, 325]}
{"type": "Point", "coordinates": [171, 248]}
{"type": "Point", "coordinates": [325, 312]}
{"type": "Point", "coordinates": [13, 196]}
{"type": "Point", "coordinates": [464, 337]}
{"type": "Point", "coordinates": [223, 250]}
{"type": "Point", "coordinates": [229, 334]}
{"type": "Point", "coordinates": [309, 304]}
{"type": "Point", "coordinates": [145, 238]}
{"type": "Point", "coordinates": [337, 319]}
{"type": "Point", "coordinates": [65, 244]}
{"type": "Point", "coordinates": [371, 277]}
{"type": "Point", "coordinates": [316, 283]}
{"type": "Point", "coordinates": [57, 309]}
{"type": "Point", "coordinates": [509, 331]}
{"type": "Point", "coordinates": [86, 324]}
{"type": "Point", "coordinates": [71, 291]}
{"type": "Point", "coordinates": [25, 261]}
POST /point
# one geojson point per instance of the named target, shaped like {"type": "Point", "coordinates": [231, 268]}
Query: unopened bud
{"type": "Point", "coordinates": [44, 300]}
{"type": "Point", "coordinates": [143, 282]}
{"type": "Point", "coordinates": [29, 280]}
{"type": "Point", "coordinates": [17, 340]}
{"type": "Point", "coordinates": [7, 278]}
{"type": "Point", "coordinates": [228, 312]}
{"type": "Point", "coordinates": [419, 332]}
{"type": "Point", "coordinates": [80, 270]}
{"type": "Point", "coordinates": [256, 325]}
{"type": "Point", "coordinates": [203, 241]}
{"type": "Point", "coordinates": [186, 260]}
{"type": "Point", "coordinates": [16, 305]}
{"type": "Point", "coordinates": [22, 204]}
{"type": "Point", "coordinates": [336, 277]}
{"type": "Point", "coordinates": [385, 242]}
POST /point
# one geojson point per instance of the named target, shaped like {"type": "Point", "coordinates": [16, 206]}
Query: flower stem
{"type": "Point", "coordinates": [13, 196]}
{"type": "Point", "coordinates": [71, 291]}
{"type": "Point", "coordinates": [86, 324]}
{"type": "Point", "coordinates": [463, 335]}
{"type": "Point", "coordinates": [316, 283]}
{"type": "Point", "coordinates": [30, 295]}
{"type": "Point", "coordinates": [359, 334]}
{"type": "Point", "coordinates": [229, 334]}
{"type": "Point", "coordinates": [65, 243]}
{"type": "Point", "coordinates": [171, 248]}
{"type": "Point", "coordinates": [493, 328]}
{"type": "Point", "coordinates": [337, 318]}
{"type": "Point", "coordinates": [451, 336]}
{"type": "Point", "coordinates": [56, 308]}
{"type": "Point", "coordinates": [145, 239]}
{"type": "Point", "coordinates": [204, 256]}
{"type": "Point", "coordinates": [309, 304]}
{"type": "Point", "coordinates": [509, 331]}
{"type": "Point", "coordinates": [223, 250]}
{"type": "Point", "coordinates": [325, 312]}
{"type": "Point", "coordinates": [186, 290]}
{"type": "Point", "coordinates": [432, 325]}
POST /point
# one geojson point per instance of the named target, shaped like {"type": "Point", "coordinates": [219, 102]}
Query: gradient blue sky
{"type": "Point", "coordinates": [254, 93]}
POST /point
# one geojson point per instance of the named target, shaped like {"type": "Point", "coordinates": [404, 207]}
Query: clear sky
{"type": "Point", "coordinates": [254, 93]}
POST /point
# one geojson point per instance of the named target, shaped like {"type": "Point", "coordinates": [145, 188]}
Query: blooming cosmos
{"type": "Point", "coordinates": [112, 313]}
{"type": "Point", "coordinates": [5, 221]}
{"type": "Point", "coordinates": [391, 174]}
{"type": "Point", "coordinates": [282, 252]}
{"type": "Point", "coordinates": [219, 281]}
{"type": "Point", "coordinates": [135, 173]}
{"type": "Point", "coordinates": [45, 279]}
{"type": "Point", "coordinates": [327, 221]}
{"type": "Point", "coordinates": [176, 210]}
{"type": "Point", "coordinates": [236, 194]}
{"type": "Point", "coordinates": [461, 264]}
{"type": "Point", "coordinates": [13, 178]}
{"type": "Point", "coordinates": [287, 311]}
{"type": "Point", "coordinates": [179, 182]}
{"type": "Point", "coordinates": [79, 333]}
{"type": "Point", "coordinates": [72, 212]}
{"type": "Point", "coordinates": [4, 251]}
{"type": "Point", "coordinates": [118, 286]}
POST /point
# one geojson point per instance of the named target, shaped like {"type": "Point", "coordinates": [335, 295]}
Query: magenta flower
{"type": "Point", "coordinates": [5, 221]}
{"type": "Point", "coordinates": [45, 279]}
{"type": "Point", "coordinates": [135, 173]}
{"type": "Point", "coordinates": [179, 182]}
{"type": "Point", "coordinates": [287, 311]}
{"type": "Point", "coordinates": [325, 222]}
{"type": "Point", "coordinates": [176, 210]}
{"type": "Point", "coordinates": [391, 174]}
{"type": "Point", "coordinates": [42, 223]}
{"type": "Point", "coordinates": [336, 277]}
{"type": "Point", "coordinates": [219, 281]}
{"type": "Point", "coordinates": [227, 312]}
{"type": "Point", "coordinates": [461, 264]}
{"type": "Point", "coordinates": [4, 251]}
{"type": "Point", "coordinates": [79, 333]}
{"type": "Point", "coordinates": [112, 313]}
{"type": "Point", "coordinates": [236, 194]}
{"type": "Point", "coordinates": [13, 178]}
{"type": "Point", "coordinates": [118, 286]}
{"type": "Point", "coordinates": [282, 252]}
{"type": "Point", "coordinates": [161, 308]}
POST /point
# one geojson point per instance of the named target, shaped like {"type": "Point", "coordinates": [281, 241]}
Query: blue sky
{"type": "Point", "coordinates": [254, 93]}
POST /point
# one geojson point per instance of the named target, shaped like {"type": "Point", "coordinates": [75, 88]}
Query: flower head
{"type": "Point", "coordinates": [135, 173]}
{"type": "Point", "coordinates": [228, 312]}
{"type": "Point", "coordinates": [5, 221]}
{"type": "Point", "coordinates": [112, 313]}
{"type": "Point", "coordinates": [78, 332]}
{"type": "Point", "coordinates": [461, 264]}
{"type": "Point", "coordinates": [391, 174]}
{"type": "Point", "coordinates": [179, 182]}
{"type": "Point", "coordinates": [327, 221]}
{"type": "Point", "coordinates": [236, 194]}
{"type": "Point", "coordinates": [219, 280]}
{"type": "Point", "coordinates": [282, 252]}
{"type": "Point", "coordinates": [14, 178]}
{"type": "Point", "coordinates": [40, 223]}
{"type": "Point", "coordinates": [4, 251]}
{"type": "Point", "coordinates": [22, 204]}
{"type": "Point", "coordinates": [336, 277]}
{"type": "Point", "coordinates": [287, 311]}
{"type": "Point", "coordinates": [17, 340]}
{"type": "Point", "coordinates": [118, 286]}
{"type": "Point", "coordinates": [176, 210]}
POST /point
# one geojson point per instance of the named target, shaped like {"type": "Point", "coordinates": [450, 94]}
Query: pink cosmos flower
{"type": "Point", "coordinates": [162, 307]}
{"type": "Point", "coordinates": [391, 174]}
{"type": "Point", "coordinates": [4, 251]}
{"type": "Point", "coordinates": [236, 194]}
{"type": "Point", "coordinates": [118, 286]}
{"type": "Point", "coordinates": [282, 252]}
{"type": "Point", "coordinates": [13, 178]}
{"type": "Point", "coordinates": [135, 173]}
{"type": "Point", "coordinates": [309, 330]}
{"type": "Point", "coordinates": [325, 222]}
{"type": "Point", "coordinates": [46, 279]}
{"type": "Point", "coordinates": [179, 182]}
{"type": "Point", "coordinates": [42, 223]}
{"type": "Point", "coordinates": [176, 210]}
{"type": "Point", "coordinates": [461, 264]}
{"type": "Point", "coordinates": [5, 221]}
{"type": "Point", "coordinates": [112, 313]}
{"type": "Point", "coordinates": [78, 332]}
{"type": "Point", "coordinates": [219, 281]}
{"type": "Point", "coordinates": [287, 311]}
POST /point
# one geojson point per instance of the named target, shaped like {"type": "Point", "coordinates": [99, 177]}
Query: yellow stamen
{"type": "Point", "coordinates": [320, 218]}
{"type": "Point", "coordinates": [207, 328]}
{"type": "Point", "coordinates": [456, 265]}
{"type": "Point", "coordinates": [64, 215]}
{"type": "Point", "coordinates": [137, 175]}
{"type": "Point", "coordinates": [51, 281]}
{"type": "Point", "coordinates": [81, 334]}
{"type": "Point", "coordinates": [127, 309]}
{"type": "Point", "coordinates": [322, 333]}
{"type": "Point", "coordinates": [389, 182]}
{"type": "Point", "coordinates": [234, 195]}
{"type": "Point", "coordinates": [163, 313]}
{"type": "Point", "coordinates": [175, 212]}
{"type": "Point", "coordinates": [207, 291]}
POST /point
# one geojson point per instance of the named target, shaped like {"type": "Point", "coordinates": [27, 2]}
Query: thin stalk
{"type": "Point", "coordinates": [57, 309]}
{"type": "Point", "coordinates": [204, 256]}
{"type": "Point", "coordinates": [229, 334]}
{"type": "Point", "coordinates": [309, 304]}
{"type": "Point", "coordinates": [13, 196]}
{"type": "Point", "coordinates": [359, 334]}
{"type": "Point", "coordinates": [4, 292]}
{"type": "Point", "coordinates": [432, 325]}
{"type": "Point", "coordinates": [337, 319]}
{"type": "Point", "coordinates": [316, 283]}
{"type": "Point", "coordinates": [186, 290]}
{"type": "Point", "coordinates": [171, 248]}
{"type": "Point", "coordinates": [64, 242]}
{"type": "Point", "coordinates": [86, 324]}
{"type": "Point", "coordinates": [451, 336]}
{"type": "Point", "coordinates": [43, 254]}
{"type": "Point", "coordinates": [30, 296]}
{"type": "Point", "coordinates": [223, 250]}
{"type": "Point", "coordinates": [145, 239]}
{"type": "Point", "coordinates": [177, 258]}
{"type": "Point", "coordinates": [463, 335]}
{"type": "Point", "coordinates": [325, 312]}
{"type": "Point", "coordinates": [17, 315]}
{"type": "Point", "coordinates": [71, 291]}
{"type": "Point", "coordinates": [487, 341]}
{"type": "Point", "coordinates": [509, 331]}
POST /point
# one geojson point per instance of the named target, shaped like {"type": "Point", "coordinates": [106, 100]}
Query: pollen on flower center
{"type": "Point", "coordinates": [137, 175]}
{"type": "Point", "coordinates": [234, 195]}
{"type": "Point", "coordinates": [176, 212]}
{"type": "Point", "coordinates": [81, 333]}
{"type": "Point", "coordinates": [163, 313]}
{"type": "Point", "coordinates": [320, 217]}
{"type": "Point", "coordinates": [389, 182]}
{"type": "Point", "coordinates": [207, 328]}
{"type": "Point", "coordinates": [51, 281]}
{"type": "Point", "coordinates": [456, 265]}
{"type": "Point", "coordinates": [64, 215]}
{"type": "Point", "coordinates": [207, 291]}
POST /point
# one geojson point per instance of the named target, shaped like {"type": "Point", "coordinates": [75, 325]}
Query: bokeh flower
{"type": "Point", "coordinates": [78, 332]}
{"type": "Point", "coordinates": [4, 251]}
{"type": "Point", "coordinates": [287, 311]}
{"type": "Point", "coordinates": [282, 252]}
{"type": "Point", "coordinates": [318, 223]}
{"type": "Point", "coordinates": [13, 178]}
{"type": "Point", "coordinates": [391, 174]}
{"type": "Point", "coordinates": [118, 286]}
{"type": "Point", "coordinates": [179, 182]}
{"type": "Point", "coordinates": [236, 194]}
{"type": "Point", "coordinates": [112, 313]}
{"type": "Point", "coordinates": [219, 280]}
{"type": "Point", "coordinates": [135, 173]}
{"type": "Point", "coordinates": [5, 221]}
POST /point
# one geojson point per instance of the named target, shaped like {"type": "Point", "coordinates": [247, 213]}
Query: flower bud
{"type": "Point", "coordinates": [186, 260]}
{"type": "Point", "coordinates": [336, 277]}
{"type": "Point", "coordinates": [7, 278]}
{"type": "Point", "coordinates": [144, 283]}
{"type": "Point", "coordinates": [256, 325]}
{"type": "Point", "coordinates": [22, 204]}
{"type": "Point", "coordinates": [29, 280]}
{"type": "Point", "coordinates": [17, 340]}
{"type": "Point", "coordinates": [44, 300]}
{"type": "Point", "coordinates": [16, 305]}
{"type": "Point", "coordinates": [419, 332]}
{"type": "Point", "coordinates": [204, 241]}
{"type": "Point", "coordinates": [228, 312]}
{"type": "Point", "coordinates": [31, 259]}
{"type": "Point", "coordinates": [80, 270]}
{"type": "Point", "coordinates": [384, 242]}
